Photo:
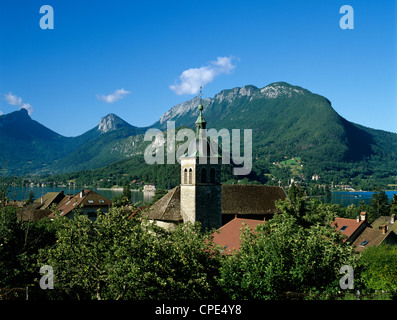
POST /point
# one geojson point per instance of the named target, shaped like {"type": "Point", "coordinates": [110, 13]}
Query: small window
{"type": "Point", "coordinates": [101, 201]}
{"type": "Point", "coordinates": [185, 176]}
{"type": "Point", "coordinates": [90, 201]}
{"type": "Point", "coordinates": [343, 228]}
{"type": "Point", "coordinates": [190, 176]}
{"type": "Point", "coordinates": [362, 244]}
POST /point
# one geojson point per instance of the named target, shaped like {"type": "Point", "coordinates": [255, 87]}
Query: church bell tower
{"type": "Point", "coordinates": [200, 179]}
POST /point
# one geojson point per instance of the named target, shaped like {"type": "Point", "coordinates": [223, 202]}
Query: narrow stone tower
{"type": "Point", "coordinates": [200, 179]}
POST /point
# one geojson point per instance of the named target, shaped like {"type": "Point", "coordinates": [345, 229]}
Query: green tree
{"type": "Point", "coordinates": [393, 205]}
{"type": "Point", "coordinates": [379, 205]}
{"type": "Point", "coordinates": [119, 258]}
{"type": "Point", "coordinates": [351, 212]}
{"type": "Point", "coordinates": [292, 192]}
{"type": "Point", "coordinates": [297, 196]}
{"type": "Point", "coordinates": [283, 256]}
{"type": "Point", "coordinates": [123, 199]}
{"type": "Point", "coordinates": [31, 197]}
{"type": "Point", "coordinates": [127, 191]}
{"type": "Point", "coordinates": [379, 268]}
{"type": "Point", "coordinates": [328, 194]}
{"type": "Point", "coordinates": [20, 242]}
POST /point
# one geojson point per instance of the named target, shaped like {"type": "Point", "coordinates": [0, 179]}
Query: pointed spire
{"type": "Point", "coordinates": [200, 122]}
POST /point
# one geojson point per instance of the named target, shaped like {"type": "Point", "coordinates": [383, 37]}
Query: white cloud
{"type": "Point", "coordinates": [113, 97]}
{"type": "Point", "coordinates": [1, 113]}
{"type": "Point", "coordinates": [14, 100]}
{"type": "Point", "coordinates": [192, 79]}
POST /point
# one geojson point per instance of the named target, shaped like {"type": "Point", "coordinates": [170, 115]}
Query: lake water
{"type": "Point", "coordinates": [347, 198]}
{"type": "Point", "coordinates": [343, 198]}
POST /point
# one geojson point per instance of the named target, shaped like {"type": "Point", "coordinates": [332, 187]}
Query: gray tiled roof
{"type": "Point", "coordinates": [236, 199]}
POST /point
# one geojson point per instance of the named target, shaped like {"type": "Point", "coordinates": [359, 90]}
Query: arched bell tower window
{"type": "Point", "coordinates": [212, 175]}
{"type": "Point", "coordinates": [190, 176]}
{"type": "Point", "coordinates": [204, 175]}
{"type": "Point", "coordinates": [185, 176]}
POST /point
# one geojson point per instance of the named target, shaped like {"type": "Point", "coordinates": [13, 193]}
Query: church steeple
{"type": "Point", "coordinates": [200, 122]}
{"type": "Point", "coordinates": [201, 179]}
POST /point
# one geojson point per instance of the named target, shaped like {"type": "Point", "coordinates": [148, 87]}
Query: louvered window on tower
{"type": "Point", "coordinates": [190, 176]}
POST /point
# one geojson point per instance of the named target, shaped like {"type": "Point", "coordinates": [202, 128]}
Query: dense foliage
{"type": "Point", "coordinates": [115, 257]}
{"type": "Point", "coordinates": [283, 256]}
{"type": "Point", "coordinates": [379, 268]}
{"type": "Point", "coordinates": [20, 242]}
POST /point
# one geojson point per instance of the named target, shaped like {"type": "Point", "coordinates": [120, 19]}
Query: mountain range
{"type": "Point", "coordinates": [286, 120]}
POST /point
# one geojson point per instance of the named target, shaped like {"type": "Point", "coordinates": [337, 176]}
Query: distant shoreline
{"type": "Point", "coordinates": [117, 189]}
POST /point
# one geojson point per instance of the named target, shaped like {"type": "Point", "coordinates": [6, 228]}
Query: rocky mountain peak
{"type": "Point", "coordinates": [111, 122]}
{"type": "Point", "coordinates": [182, 109]}
{"type": "Point", "coordinates": [276, 89]}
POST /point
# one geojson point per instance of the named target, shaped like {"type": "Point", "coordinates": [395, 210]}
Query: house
{"type": "Point", "coordinates": [149, 187]}
{"type": "Point", "coordinates": [345, 187]}
{"type": "Point", "coordinates": [362, 235]}
{"type": "Point", "coordinates": [374, 237]}
{"type": "Point", "coordinates": [49, 199]}
{"type": "Point", "coordinates": [87, 200]}
{"type": "Point", "coordinates": [351, 228]}
{"type": "Point", "coordinates": [40, 208]}
{"type": "Point", "coordinates": [32, 212]}
{"type": "Point", "coordinates": [228, 236]}
{"type": "Point", "coordinates": [381, 230]}
{"type": "Point", "coordinates": [388, 221]}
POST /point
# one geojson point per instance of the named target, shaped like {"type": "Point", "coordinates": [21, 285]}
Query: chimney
{"type": "Point", "coordinates": [393, 217]}
{"type": "Point", "coordinates": [41, 200]}
{"type": "Point", "coordinates": [384, 229]}
{"type": "Point", "coordinates": [82, 193]}
{"type": "Point", "coordinates": [358, 218]}
{"type": "Point", "coordinates": [363, 216]}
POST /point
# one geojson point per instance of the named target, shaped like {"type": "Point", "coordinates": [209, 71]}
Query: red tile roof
{"type": "Point", "coordinates": [85, 198]}
{"type": "Point", "coordinates": [351, 225]}
{"type": "Point", "coordinates": [228, 236]}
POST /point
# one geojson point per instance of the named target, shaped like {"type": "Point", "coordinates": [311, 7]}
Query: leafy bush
{"type": "Point", "coordinates": [284, 256]}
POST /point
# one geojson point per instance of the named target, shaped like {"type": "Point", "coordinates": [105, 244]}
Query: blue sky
{"type": "Point", "coordinates": [127, 57]}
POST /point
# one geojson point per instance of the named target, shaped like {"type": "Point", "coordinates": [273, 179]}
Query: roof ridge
{"type": "Point", "coordinates": [347, 219]}
{"type": "Point", "coordinates": [171, 192]}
